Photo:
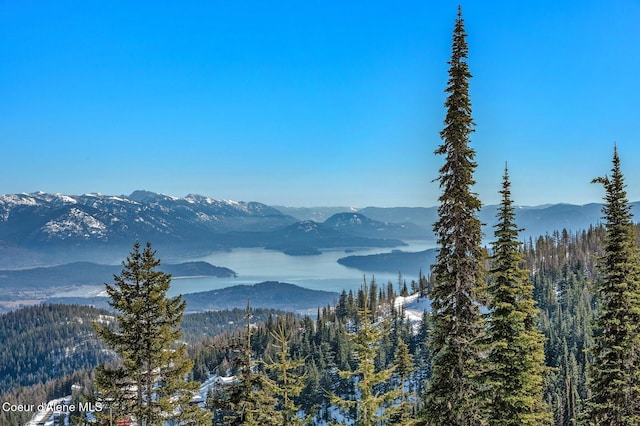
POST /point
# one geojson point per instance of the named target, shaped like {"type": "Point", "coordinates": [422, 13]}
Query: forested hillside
{"type": "Point", "coordinates": [513, 333]}
{"type": "Point", "coordinates": [45, 342]}
{"type": "Point", "coordinates": [324, 352]}
{"type": "Point", "coordinates": [47, 348]}
{"type": "Point", "coordinates": [562, 269]}
{"type": "Point", "coordinates": [48, 341]}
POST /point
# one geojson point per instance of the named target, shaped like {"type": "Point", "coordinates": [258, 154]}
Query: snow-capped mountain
{"type": "Point", "coordinates": [86, 227]}
{"type": "Point", "coordinates": [44, 218]}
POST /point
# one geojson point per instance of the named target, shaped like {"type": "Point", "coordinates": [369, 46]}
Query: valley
{"type": "Point", "coordinates": [61, 250]}
{"type": "Point", "coordinates": [57, 247]}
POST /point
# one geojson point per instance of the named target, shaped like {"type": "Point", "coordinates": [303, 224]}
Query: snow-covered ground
{"type": "Point", "coordinates": [50, 412]}
{"type": "Point", "coordinates": [414, 307]}
{"type": "Point", "coordinates": [59, 407]}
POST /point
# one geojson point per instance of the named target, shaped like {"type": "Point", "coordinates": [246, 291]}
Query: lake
{"type": "Point", "coordinates": [321, 272]}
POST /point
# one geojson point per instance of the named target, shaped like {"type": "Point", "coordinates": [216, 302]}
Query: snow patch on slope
{"type": "Point", "coordinates": [75, 223]}
{"type": "Point", "coordinates": [414, 307]}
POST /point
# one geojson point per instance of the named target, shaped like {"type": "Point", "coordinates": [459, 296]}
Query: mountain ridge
{"type": "Point", "coordinates": [58, 228]}
{"type": "Point", "coordinates": [43, 228]}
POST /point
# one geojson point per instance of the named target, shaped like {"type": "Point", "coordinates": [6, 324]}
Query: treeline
{"type": "Point", "coordinates": [43, 342]}
{"type": "Point", "coordinates": [202, 325]}
{"type": "Point", "coordinates": [325, 352]}
{"type": "Point", "coordinates": [563, 270]}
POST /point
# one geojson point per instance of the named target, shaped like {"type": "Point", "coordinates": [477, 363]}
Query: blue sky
{"type": "Point", "coordinates": [314, 103]}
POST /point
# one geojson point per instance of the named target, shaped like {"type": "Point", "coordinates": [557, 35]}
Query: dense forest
{"type": "Point", "coordinates": [48, 341]}
{"type": "Point", "coordinates": [540, 332]}
{"type": "Point", "coordinates": [562, 268]}
{"type": "Point", "coordinates": [48, 348]}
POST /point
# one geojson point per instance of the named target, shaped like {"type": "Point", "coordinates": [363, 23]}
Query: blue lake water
{"type": "Point", "coordinates": [321, 272]}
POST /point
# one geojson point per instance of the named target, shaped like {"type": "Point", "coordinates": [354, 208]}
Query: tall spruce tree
{"type": "Point", "coordinates": [614, 370]}
{"type": "Point", "coordinates": [514, 368]}
{"type": "Point", "coordinates": [458, 271]}
{"type": "Point", "coordinates": [149, 386]}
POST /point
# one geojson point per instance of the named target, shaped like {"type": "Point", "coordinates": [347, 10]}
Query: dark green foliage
{"type": "Point", "coordinates": [289, 377]}
{"type": "Point", "coordinates": [49, 341]}
{"type": "Point", "coordinates": [614, 370]}
{"type": "Point", "coordinates": [514, 367]}
{"type": "Point", "coordinates": [561, 265]}
{"type": "Point", "coordinates": [148, 384]}
{"type": "Point", "coordinates": [403, 367]}
{"type": "Point", "coordinates": [45, 342]}
{"type": "Point", "coordinates": [421, 354]}
{"type": "Point", "coordinates": [249, 400]}
{"type": "Point", "coordinates": [374, 405]}
{"type": "Point", "coordinates": [458, 271]}
{"type": "Point", "coordinates": [327, 345]}
{"type": "Point", "coordinates": [197, 327]}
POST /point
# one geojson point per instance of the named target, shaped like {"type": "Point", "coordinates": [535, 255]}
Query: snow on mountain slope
{"type": "Point", "coordinates": [43, 217]}
{"type": "Point", "coordinates": [75, 223]}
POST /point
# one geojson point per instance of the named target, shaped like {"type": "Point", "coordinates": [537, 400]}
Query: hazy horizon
{"type": "Point", "coordinates": [310, 206]}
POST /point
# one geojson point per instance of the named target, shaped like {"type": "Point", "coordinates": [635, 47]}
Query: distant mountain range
{"type": "Point", "coordinates": [44, 228]}
{"type": "Point", "coordinates": [535, 220]}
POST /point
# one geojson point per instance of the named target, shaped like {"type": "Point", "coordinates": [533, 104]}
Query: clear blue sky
{"type": "Point", "coordinates": [314, 103]}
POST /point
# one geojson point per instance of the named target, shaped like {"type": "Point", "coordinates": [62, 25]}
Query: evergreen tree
{"type": "Point", "coordinates": [561, 267]}
{"type": "Point", "coordinates": [342, 308]}
{"type": "Point", "coordinates": [403, 367]}
{"type": "Point", "coordinates": [289, 381]}
{"type": "Point", "coordinates": [250, 400]}
{"type": "Point", "coordinates": [422, 355]}
{"type": "Point", "coordinates": [149, 385]}
{"type": "Point", "coordinates": [515, 364]}
{"type": "Point", "coordinates": [373, 406]}
{"type": "Point", "coordinates": [614, 371]}
{"type": "Point", "coordinates": [458, 271]}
